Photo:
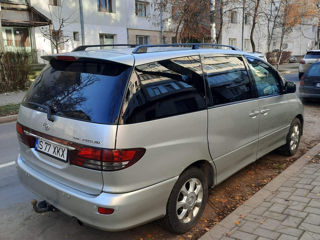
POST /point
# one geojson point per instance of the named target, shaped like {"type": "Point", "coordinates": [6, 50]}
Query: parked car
{"type": "Point", "coordinates": [311, 57]}
{"type": "Point", "coordinates": [117, 138]}
{"type": "Point", "coordinates": [292, 59]}
{"type": "Point", "coordinates": [310, 83]}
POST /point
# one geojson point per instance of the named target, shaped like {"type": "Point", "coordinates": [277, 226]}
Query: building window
{"type": "Point", "coordinates": [234, 17]}
{"type": "Point", "coordinates": [55, 2]}
{"type": "Point", "coordinates": [247, 45]}
{"type": "Point", "coordinates": [76, 36]}
{"type": "Point", "coordinates": [246, 19]}
{"type": "Point", "coordinates": [106, 39]}
{"type": "Point", "coordinates": [233, 42]}
{"type": "Point", "coordinates": [105, 6]}
{"type": "Point", "coordinates": [142, 39]}
{"type": "Point", "coordinates": [141, 9]}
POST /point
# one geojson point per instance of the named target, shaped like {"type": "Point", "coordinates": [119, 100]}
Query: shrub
{"type": "Point", "coordinates": [273, 57]}
{"type": "Point", "coordinates": [14, 71]}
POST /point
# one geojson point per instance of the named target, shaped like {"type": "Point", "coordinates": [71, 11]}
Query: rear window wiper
{"type": "Point", "coordinates": [50, 117]}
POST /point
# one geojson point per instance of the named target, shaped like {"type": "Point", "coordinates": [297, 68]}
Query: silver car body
{"type": "Point", "coordinates": [225, 138]}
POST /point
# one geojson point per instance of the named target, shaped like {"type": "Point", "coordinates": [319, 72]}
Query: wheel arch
{"type": "Point", "coordinates": [207, 167]}
{"type": "Point", "coordinates": [300, 117]}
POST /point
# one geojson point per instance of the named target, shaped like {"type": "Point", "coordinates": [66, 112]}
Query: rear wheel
{"type": "Point", "coordinates": [293, 138]}
{"type": "Point", "coordinates": [187, 201]}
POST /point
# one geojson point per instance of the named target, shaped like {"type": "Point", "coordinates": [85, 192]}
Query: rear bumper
{"type": "Point", "coordinates": [310, 95]}
{"type": "Point", "coordinates": [309, 92]}
{"type": "Point", "coordinates": [131, 209]}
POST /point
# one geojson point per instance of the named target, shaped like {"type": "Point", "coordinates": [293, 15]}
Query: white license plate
{"type": "Point", "coordinates": [318, 85]}
{"type": "Point", "coordinates": [51, 149]}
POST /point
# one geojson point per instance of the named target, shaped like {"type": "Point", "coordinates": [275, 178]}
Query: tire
{"type": "Point", "coordinates": [181, 219]}
{"type": "Point", "coordinates": [300, 75]}
{"type": "Point", "coordinates": [293, 138]}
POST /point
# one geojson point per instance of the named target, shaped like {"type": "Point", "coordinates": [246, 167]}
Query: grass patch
{"type": "Point", "coordinates": [9, 109]}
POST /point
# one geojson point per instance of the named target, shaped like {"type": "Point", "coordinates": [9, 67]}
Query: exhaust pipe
{"type": "Point", "coordinates": [42, 206]}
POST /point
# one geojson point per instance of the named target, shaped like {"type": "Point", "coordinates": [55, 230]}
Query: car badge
{"type": "Point", "coordinates": [46, 126]}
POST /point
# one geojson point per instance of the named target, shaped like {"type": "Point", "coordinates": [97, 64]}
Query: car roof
{"type": "Point", "coordinates": [125, 55]}
{"type": "Point", "coordinates": [315, 50]}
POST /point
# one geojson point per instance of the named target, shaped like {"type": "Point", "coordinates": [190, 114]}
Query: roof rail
{"type": "Point", "coordinates": [144, 48]}
{"type": "Point", "coordinates": [84, 47]}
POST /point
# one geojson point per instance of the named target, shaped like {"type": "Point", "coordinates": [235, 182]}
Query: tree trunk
{"type": "Point", "coordinates": [255, 17]}
{"type": "Point", "coordinates": [280, 49]}
{"type": "Point", "coordinates": [220, 25]}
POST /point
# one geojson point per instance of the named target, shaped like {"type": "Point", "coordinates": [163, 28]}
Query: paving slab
{"type": "Point", "coordinates": [286, 208]}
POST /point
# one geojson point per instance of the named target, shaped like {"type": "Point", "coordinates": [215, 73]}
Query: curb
{"type": "Point", "coordinates": [9, 118]}
{"type": "Point", "coordinates": [219, 231]}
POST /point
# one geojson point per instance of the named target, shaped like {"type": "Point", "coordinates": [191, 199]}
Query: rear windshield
{"type": "Point", "coordinates": [312, 55]}
{"type": "Point", "coordinates": [87, 90]}
{"type": "Point", "coordinates": [313, 71]}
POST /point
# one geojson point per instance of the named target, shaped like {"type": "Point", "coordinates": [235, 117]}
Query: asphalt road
{"type": "Point", "coordinates": [17, 219]}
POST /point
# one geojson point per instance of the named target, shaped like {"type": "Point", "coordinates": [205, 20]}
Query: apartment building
{"type": "Point", "coordinates": [25, 22]}
{"type": "Point", "coordinates": [302, 38]}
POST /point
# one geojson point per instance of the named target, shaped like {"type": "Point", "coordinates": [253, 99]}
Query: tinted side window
{"type": "Point", "coordinates": [227, 78]}
{"type": "Point", "coordinates": [265, 77]}
{"type": "Point", "coordinates": [163, 89]}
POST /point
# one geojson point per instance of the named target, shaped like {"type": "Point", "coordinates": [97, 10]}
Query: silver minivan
{"type": "Point", "coordinates": [120, 137]}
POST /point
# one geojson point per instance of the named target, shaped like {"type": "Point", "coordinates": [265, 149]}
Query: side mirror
{"type": "Point", "coordinates": [290, 87]}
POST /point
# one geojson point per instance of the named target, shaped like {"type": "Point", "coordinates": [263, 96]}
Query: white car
{"type": "Point", "coordinates": [312, 56]}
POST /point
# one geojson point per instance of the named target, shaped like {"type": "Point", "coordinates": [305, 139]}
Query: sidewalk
{"type": "Point", "coordinates": [11, 98]}
{"type": "Point", "coordinates": [286, 208]}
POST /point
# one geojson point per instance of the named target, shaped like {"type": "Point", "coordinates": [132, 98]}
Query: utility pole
{"type": "Point", "coordinates": [243, 19]}
{"type": "Point", "coordinates": [81, 22]}
{"type": "Point", "coordinates": [161, 23]}
{"type": "Point", "coordinates": [1, 39]}
{"type": "Point", "coordinates": [212, 22]}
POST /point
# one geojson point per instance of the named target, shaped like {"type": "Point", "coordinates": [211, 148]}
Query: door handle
{"type": "Point", "coordinates": [265, 111]}
{"type": "Point", "coordinates": [254, 114]}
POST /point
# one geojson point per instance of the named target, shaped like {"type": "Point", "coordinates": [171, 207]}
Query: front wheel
{"type": "Point", "coordinates": [187, 201]}
{"type": "Point", "coordinates": [293, 138]}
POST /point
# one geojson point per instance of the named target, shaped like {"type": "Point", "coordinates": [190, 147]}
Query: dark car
{"type": "Point", "coordinates": [310, 82]}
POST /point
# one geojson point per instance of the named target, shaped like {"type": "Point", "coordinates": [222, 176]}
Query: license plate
{"type": "Point", "coordinates": [318, 85]}
{"type": "Point", "coordinates": [51, 149]}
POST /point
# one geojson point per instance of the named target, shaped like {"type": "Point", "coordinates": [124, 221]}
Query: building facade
{"type": "Point", "coordinates": [302, 38]}
{"type": "Point", "coordinates": [78, 22]}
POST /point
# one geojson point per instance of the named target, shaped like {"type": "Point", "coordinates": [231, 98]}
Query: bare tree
{"type": "Point", "coordinates": [190, 19]}
{"type": "Point", "coordinates": [293, 13]}
{"type": "Point", "coordinates": [54, 33]}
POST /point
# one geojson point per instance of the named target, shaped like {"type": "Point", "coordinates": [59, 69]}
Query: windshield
{"type": "Point", "coordinates": [87, 90]}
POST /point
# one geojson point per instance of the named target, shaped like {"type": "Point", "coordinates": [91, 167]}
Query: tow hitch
{"type": "Point", "coordinates": [42, 206]}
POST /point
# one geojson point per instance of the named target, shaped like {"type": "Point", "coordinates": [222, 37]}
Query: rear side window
{"type": "Point", "coordinates": [227, 78]}
{"type": "Point", "coordinates": [312, 55]}
{"type": "Point", "coordinates": [87, 90]}
{"type": "Point", "coordinates": [163, 89]}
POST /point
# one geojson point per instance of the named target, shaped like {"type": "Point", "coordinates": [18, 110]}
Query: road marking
{"type": "Point", "coordinates": [7, 164]}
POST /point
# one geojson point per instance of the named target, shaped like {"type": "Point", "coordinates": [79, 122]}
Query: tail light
{"type": "Point", "coordinates": [27, 140]}
{"type": "Point", "coordinates": [105, 159]}
{"type": "Point", "coordinates": [302, 61]}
